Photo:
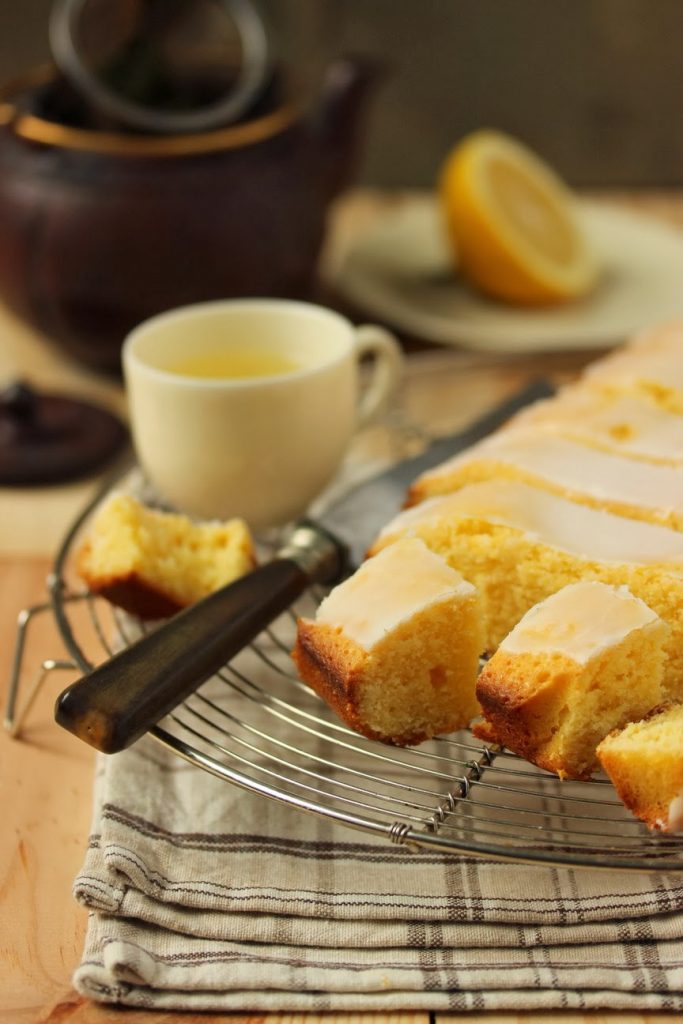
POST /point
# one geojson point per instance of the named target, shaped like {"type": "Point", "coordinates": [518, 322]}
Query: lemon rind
{"type": "Point", "coordinates": [511, 266]}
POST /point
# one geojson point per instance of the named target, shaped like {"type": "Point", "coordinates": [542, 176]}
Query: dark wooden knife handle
{"type": "Point", "coordinates": [117, 702]}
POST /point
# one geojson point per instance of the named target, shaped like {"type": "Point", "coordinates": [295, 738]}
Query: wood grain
{"type": "Point", "coordinates": [45, 791]}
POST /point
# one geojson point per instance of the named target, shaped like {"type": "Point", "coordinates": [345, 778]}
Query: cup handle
{"type": "Point", "coordinates": [381, 344]}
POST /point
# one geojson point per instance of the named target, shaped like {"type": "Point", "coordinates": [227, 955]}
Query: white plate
{"type": "Point", "coordinates": [400, 272]}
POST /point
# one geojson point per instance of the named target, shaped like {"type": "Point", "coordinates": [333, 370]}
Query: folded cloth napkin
{"type": "Point", "coordinates": [204, 896]}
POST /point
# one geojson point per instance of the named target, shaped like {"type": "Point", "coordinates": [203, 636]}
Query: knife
{"type": "Point", "coordinates": [122, 698]}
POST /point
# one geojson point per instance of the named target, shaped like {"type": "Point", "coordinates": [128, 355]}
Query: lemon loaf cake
{"type": "Point", "coordinates": [626, 486]}
{"type": "Point", "coordinates": [153, 563]}
{"type": "Point", "coordinates": [644, 760]}
{"type": "Point", "coordinates": [518, 545]}
{"type": "Point", "coordinates": [631, 425]}
{"type": "Point", "coordinates": [394, 649]}
{"type": "Point", "coordinates": [651, 365]}
{"type": "Point", "coordinates": [585, 661]}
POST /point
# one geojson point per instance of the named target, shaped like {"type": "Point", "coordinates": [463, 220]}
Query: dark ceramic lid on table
{"type": "Point", "coordinates": [49, 438]}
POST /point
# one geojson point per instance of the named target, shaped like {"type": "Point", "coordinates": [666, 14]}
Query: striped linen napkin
{"type": "Point", "coordinates": [206, 897]}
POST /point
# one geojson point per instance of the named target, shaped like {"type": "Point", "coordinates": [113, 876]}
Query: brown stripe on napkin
{"type": "Point", "coordinates": [200, 890]}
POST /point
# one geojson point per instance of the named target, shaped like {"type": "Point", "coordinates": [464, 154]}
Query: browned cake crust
{"type": "Point", "coordinates": [153, 564]}
{"type": "Point", "coordinates": [485, 732]}
{"type": "Point", "coordinates": [332, 665]}
{"type": "Point", "coordinates": [516, 716]}
{"type": "Point", "coordinates": [129, 592]}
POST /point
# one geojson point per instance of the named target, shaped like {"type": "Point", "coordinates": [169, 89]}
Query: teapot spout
{"type": "Point", "coordinates": [340, 118]}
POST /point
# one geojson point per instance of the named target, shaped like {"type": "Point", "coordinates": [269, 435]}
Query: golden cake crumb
{"type": "Point", "coordinates": [644, 760]}
{"type": "Point", "coordinates": [395, 648]}
{"type": "Point", "coordinates": [585, 661]}
{"type": "Point", "coordinates": [154, 563]}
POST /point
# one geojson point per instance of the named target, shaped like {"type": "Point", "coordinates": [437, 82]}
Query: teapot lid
{"type": "Point", "coordinates": [51, 438]}
{"type": "Point", "coordinates": [163, 66]}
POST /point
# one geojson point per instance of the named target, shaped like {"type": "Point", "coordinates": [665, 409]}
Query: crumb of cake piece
{"type": "Point", "coordinates": [644, 761]}
{"type": "Point", "coordinates": [153, 563]}
{"type": "Point", "coordinates": [518, 545]}
{"type": "Point", "coordinates": [588, 659]}
{"type": "Point", "coordinates": [394, 650]}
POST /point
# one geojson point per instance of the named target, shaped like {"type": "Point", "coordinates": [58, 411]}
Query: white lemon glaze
{"type": "Point", "coordinates": [388, 589]}
{"type": "Point", "coordinates": [621, 422]}
{"type": "Point", "coordinates": [580, 621]}
{"type": "Point", "coordinates": [577, 468]}
{"type": "Point", "coordinates": [588, 533]}
{"type": "Point", "coordinates": [652, 357]}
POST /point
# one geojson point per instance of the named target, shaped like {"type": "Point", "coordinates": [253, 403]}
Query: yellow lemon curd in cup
{"type": "Point", "coordinates": [512, 224]}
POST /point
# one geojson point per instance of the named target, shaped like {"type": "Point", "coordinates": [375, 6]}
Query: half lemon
{"type": "Point", "coordinates": [512, 223]}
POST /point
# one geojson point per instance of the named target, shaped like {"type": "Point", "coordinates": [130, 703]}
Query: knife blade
{"type": "Point", "coordinates": [119, 700]}
{"type": "Point", "coordinates": [359, 514]}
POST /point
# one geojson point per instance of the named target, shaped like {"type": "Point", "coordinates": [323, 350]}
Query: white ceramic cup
{"type": "Point", "coordinates": [262, 447]}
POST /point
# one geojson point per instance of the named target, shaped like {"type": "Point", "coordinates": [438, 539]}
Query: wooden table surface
{"type": "Point", "coordinates": [46, 776]}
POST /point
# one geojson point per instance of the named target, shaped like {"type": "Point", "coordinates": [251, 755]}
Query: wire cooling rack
{"type": "Point", "coordinates": [257, 726]}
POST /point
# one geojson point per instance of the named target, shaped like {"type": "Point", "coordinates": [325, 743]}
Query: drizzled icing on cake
{"type": "Point", "coordinates": [587, 533]}
{"type": "Point", "coordinates": [576, 468]}
{"type": "Point", "coordinates": [580, 621]}
{"type": "Point", "coordinates": [388, 589]}
{"type": "Point", "coordinates": [652, 358]}
{"type": "Point", "coordinates": [624, 423]}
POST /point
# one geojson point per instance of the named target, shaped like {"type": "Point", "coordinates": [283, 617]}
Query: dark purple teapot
{"type": "Point", "coordinates": [100, 229]}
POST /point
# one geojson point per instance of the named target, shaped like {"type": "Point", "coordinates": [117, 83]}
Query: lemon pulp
{"type": "Point", "coordinates": [512, 223]}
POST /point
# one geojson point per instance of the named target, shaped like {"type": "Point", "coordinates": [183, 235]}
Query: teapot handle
{"type": "Point", "coordinates": [64, 22]}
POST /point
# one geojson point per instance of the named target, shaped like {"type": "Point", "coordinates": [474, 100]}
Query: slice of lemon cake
{"type": "Point", "coordinates": [630, 425]}
{"type": "Point", "coordinates": [585, 661]}
{"type": "Point", "coordinates": [154, 563]}
{"type": "Point", "coordinates": [644, 760]}
{"type": "Point", "coordinates": [394, 649]}
{"type": "Point", "coordinates": [629, 487]}
{"type": "Point", "coordinates": [519, 544]}
{"type": "Point", "coordinates": [651, 365]}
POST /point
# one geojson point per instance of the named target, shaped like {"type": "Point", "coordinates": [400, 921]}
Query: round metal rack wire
{"type": "Point", "coordinates": [257, 726]}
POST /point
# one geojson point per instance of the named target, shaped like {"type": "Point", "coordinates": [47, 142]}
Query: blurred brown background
{"type": "Point", "coordinates": [594, 85]}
